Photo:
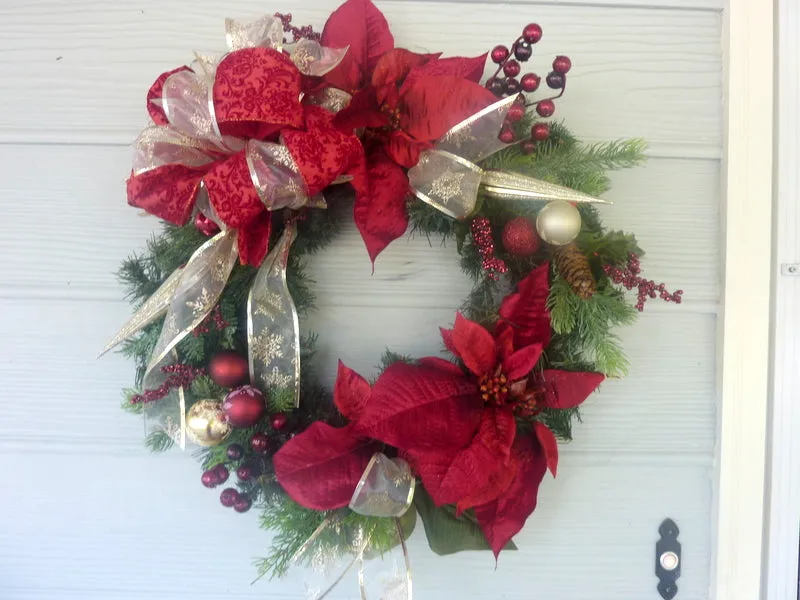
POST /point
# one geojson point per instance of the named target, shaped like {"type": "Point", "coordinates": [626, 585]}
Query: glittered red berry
{"type": "Point", "coordinates": [555, 80]}
{"type": "Point", "coordinates": [246, 472]}
{"type": "Point", "coordinates": [511, 68]}
{"type": "Point", "coordinates": [506, 135]}
{"type": "Point", "coordinates": [530, 82]}
{"type": "Point", "coordinates": [562, 64]}
{"type": "Point", "coordinates": [532, 33]}
{"type": "Point", "coordinates": [259, 442]}
{"type": "Point", "coordinates": [278, 421]}
{"type": "Point", "coordinates": [523, 51]}
{"type": "Point", "coordinates": [545, 108]}
{"type": "Point", "coordinates": [228, 497]}
{"type": "Point", "coordinates": [221, 473]}
{"type": "Point", "coordinates": [499, 54]}
{"type": "Point", "coordinates": [528, 147]}
{"type": "Point", "coordinates": [244, 406]}
{"type": "Point", "coordinates": [205, 225]}
{"type": "Point", "coordinates": [234, 452]}
{"type": "Point", "coordinates": [228, 369]}
{"type": "Point", "coordinates": [242, 504]}
{"type": "Point", "coordinates": [515, 112]}
{"type": "Point", "coordinates": [540, 132]}
{"type": "Point", "coordinates": [520, 238]}
{"type": "Point", "coordinates": [495, 86]}
{"type": "Point", "coordinates": [511, 86]}
{"type": "Point", "coordinates": [209, 479]}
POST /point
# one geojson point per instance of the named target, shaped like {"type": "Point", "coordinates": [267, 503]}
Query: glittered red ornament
{"type": "Point", "coordinates": [511, 68]}
{"type": "Point", "coordinates": [259, 442]}
{"type": "Point", "coordinates": [205, 225]}
{"type": "Point", "coordinates": [228, 497]}
{"type": "Point", "coordinates": [242, 504]}
{"type": "Point", "coordinates": [499, 54]}
{"type": "Point", "coordinates": [506, 135]}
{"type": "Point", "coordinates": [221, 473]}
{"type": "Point", "coordinates": [516, 112]}
{"type": "Point", "coordinates": [278, 421]}
{"type": "Point", "coordinates": [530, 82]}
{"type": "Point", "coordinates": [562, 64]}
{"type": "Point", "coordinates": [532, 33]}
{"type": "Point", "coordinates": [246, 472]}
{"type": "Point", "coordinates": [244, 406]}
{"type": "Point", "coordinates": [540, 132]}
{"type": "Point", "coordinates": [520, 238]}
{"type": "Point", "coordinates": [546, 108]}
{"type": "Point", "coordinates": [228, 369]}
{"type": "Point", "coordinates": [234, 452]}
{"type": "Point", "coordinates": [209, 479]}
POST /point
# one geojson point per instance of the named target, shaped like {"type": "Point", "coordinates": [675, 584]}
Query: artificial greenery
{"type": "Point", "coordinates": [583, 339]}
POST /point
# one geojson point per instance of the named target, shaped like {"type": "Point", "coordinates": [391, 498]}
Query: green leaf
{"type": "Point", "coordinates": [448, 534]}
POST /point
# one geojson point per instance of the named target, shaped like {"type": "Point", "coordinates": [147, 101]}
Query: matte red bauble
{"type": "Point", "coordinates": [209, 479]}
{"type": "Point", "coordinates": [228, 369]}
{"type": "Point", "coordinates": [244, 406]}
{"type": "Point", "coordinates": [246, 472]}
{"type": "Point", "coordinates": [520, 238]}
{"type": "Point", "coordinates": [229, 497]}
{"type": "Point", "coordinates": [540, 132]}
{"type": "Point", "coordinates": [221, 473]}
{"type": "Point", "coordinates": [545, 108]}
{"type": "Point", "coordinates": [242, 504]}
{"type": "Point", "coordinates": [278, 421]}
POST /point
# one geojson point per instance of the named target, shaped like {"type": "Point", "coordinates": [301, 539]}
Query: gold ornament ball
{"type": "Point", "coordinates": [558, 223]}
{"type": "Point", "coordinates": [206, 424]}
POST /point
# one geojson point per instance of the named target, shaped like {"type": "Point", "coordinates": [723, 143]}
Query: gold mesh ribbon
{"type": "Point", "coordinates": [448, 178]}
{"type": "Point", "coordinates": [273, 328]}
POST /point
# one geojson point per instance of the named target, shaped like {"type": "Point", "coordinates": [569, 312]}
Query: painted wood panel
{"type": "Point", "coordinates": [82, 68]}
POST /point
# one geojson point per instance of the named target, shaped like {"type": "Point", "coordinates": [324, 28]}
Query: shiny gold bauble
{"type": "Point", "coordinates": [206, 424]}
{"type": "Point", "coordinates": [558, 223]}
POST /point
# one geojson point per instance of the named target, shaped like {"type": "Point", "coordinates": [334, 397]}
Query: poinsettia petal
{"type": "Point", "coordinates": [519, 364]}
{"type": "Point", "coordinates": [567, 389]}
{"type": "Point", "coordinates": [526, 310]}
{"type": "Point", "coordinates": [362, 111]}
{"type": "Point", "coordinates": [380, 211]}
{"type": "Point", "coordinates": [447, 339]}
{"type": "Point", "coordinates": [361, 26]}
{"type": "Point", "coordinates": [549, 445]}
{"type": "Point", "coordinates": [457, 66]}
{"type": "Point", "coordinates": [420, 408]}
{"type": "Point", "coordinates": [434, 104]}
{"type": "Point", "coordinates": [501, 519]}
{"type": "Point", "coordinates": [404, 150]}
{"type": "Point", "coordinates": [351, 392]}
{"type": "Point", "coordinates": [392, 68]}
{"type": "Point", "coordinates": [475, 346]}
{"type": "Point", "coordinates": [504, 340]}
{"type": "Point", "coordinates": [439, 363]}
{"type": "Point", "coordinates": [475, 474]}
{"type": "Point", "coordinates": [321, 467]}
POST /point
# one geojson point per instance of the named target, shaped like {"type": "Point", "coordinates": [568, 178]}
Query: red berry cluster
{"type": "Point", "coordinates": [507, 84]}
{"type": "Point", "coordinates": [306, 31]}
{"type": "Point", "coordinates": [214, 318]}
{"type": "Point", "coordinates": [482, 236]}
{"type": "Point", "coordinates": [180, 375]}
{"type": "Point", "coordinates": [647, 288]}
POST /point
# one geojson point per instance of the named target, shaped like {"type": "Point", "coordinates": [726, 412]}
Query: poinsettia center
{"type": "Point", "coordinates": [393, 114]}
{"type": "Point", "coordinates": [528, 403]}
{"type": "Point", "coordinates": [494, 388]}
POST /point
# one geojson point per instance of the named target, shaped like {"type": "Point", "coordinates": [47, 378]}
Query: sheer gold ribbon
{"type": "Point", "coordinates": [448, 178]}
{"type": "Point", "coordinates": [385, 490]}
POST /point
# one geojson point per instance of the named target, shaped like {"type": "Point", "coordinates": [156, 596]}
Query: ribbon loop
{"type": "Point", "coordinates": [266, 31]}
{"type": "Point", "coordinates": [316, 60]}
{"type": "Point", "coordinates": [386, 489]}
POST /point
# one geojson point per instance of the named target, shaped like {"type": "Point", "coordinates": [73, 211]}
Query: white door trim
{"type": "Point", "coordinates": [783, 498]}
{"type": "Point", "coordinates": [745, 321]}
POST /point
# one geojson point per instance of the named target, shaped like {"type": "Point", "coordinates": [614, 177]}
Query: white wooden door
{"type": "Point", "coordinates": [88, 514]}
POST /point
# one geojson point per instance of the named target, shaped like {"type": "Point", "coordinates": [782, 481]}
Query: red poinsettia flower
{"type": "Point", "coordinates": [403, 102]}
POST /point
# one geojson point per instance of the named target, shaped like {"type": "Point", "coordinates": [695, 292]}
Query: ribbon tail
{"type": "Point", "coordinates": [153, 308]}
{"type": "Point", "coordinates": [514, 186]}
{"type": "Point", "coordinates": [273, 327]}
{"type": "Point", "coordinates": [200, 286]}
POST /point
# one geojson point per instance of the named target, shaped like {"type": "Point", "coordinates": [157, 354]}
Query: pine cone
{"type": "Point", "coordinates": [573, 266]}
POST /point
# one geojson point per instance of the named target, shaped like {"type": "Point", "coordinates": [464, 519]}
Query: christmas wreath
{"type": "Point", "coordinates": [252, 160]}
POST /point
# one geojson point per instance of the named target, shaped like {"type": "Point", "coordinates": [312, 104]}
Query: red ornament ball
{"type": "Point", "coordinates": [234, 452]}
{"type": "Point", "coordinates": [242, 504]}
{"type": "Point", "coordinates": [532, 33]}
{"type": "Point", "coordinates": [228, 497]}
{"type": "Point", "coordinates": [259, 442]}
{"type": "Point", "coordinates": [499, 54]}
{"type": "Point", "coordinates": [511, 68]}
{"type": "Point", "coordinates": [221, 473]}
{"type": "Point", "coordinates": [528, 147]}
{"type": "Point", "coordinates": [530, 82]}
{"type": "Point", "coordinates": [516, 112]}
{"type": "Point", "coordinates": [506, 135]}
{"type": "Point", "coordinates": [540, 132]}
{"type": "Point", "coordinates": [228, 369]}
{"type": "Point", "coordinates": [519, 237]}
{"type": "Point", "coordinates": [511, 86]}
{"type": "Point", "coordinates": [278, 421]}
{"type": "Point", "coordinates": [495, 86]}
{"type": "Point", "coordinates": [205, 225]}
{"type": "Point", "coordinates": [244, 406]}
{"type": "Point", "coordinates": [545, 108]}
{"type": "Point", "coordinates": [209, 479]}
{"type": "Point", "coordinates": [562, 64]}
{"type": "Point", "coordinates": [246, 472]}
